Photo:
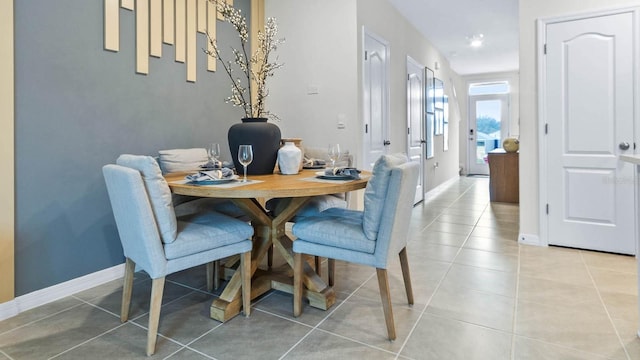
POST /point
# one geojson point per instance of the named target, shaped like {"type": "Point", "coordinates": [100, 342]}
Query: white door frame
{"type": "Point", "coordinates": [420, 189]}
{"type": "Point", "coordinates": [386, 111]}
{"type": "Point", "coordinates": [542, 23]}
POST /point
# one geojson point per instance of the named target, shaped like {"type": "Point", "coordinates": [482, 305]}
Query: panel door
{"type": "Point", "coordinates": [416, 120]}
{"type": "Point", "coordinates": [590, 114]}
{"type": "Point", "coordinates": [375, 100]}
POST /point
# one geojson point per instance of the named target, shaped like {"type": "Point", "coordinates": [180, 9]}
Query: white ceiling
{"type": "Point", "coordinates": [448, 23]}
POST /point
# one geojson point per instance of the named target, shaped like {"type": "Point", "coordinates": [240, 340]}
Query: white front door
{"type": "Point", "coordinates": [589, 113]}
{"type": "Point", "coordinates": [375, 99]}
{"type": "Point", "coordinates": [488, 122]}
{"type": "Point", "coordinates": [416, 120]}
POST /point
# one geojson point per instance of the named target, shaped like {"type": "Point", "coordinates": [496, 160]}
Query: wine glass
{"type": "Point", "coordinates": [213, 151]}
{"type": "Point", "coordinates": [245, 157]}
{"type": "Point", "coordinates": [334, 154]}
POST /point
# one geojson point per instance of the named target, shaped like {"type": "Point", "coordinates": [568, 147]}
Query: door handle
{"type": "Point", "coordinates": [423, 141]}
{"type": "Point", "coordinates": [386, 142]}
{"type": "Point", "coordinates": [624, 145]}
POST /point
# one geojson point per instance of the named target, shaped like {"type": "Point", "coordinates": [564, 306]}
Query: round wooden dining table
{"type": "Point", "coordinates": [269, 231]}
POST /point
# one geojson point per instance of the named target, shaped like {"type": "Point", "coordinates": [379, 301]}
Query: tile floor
{"type": "Point", "coordinates": [478, 295]}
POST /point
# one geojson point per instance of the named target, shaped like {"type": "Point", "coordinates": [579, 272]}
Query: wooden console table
{"type": "Point", "coordinates": [504, 176]}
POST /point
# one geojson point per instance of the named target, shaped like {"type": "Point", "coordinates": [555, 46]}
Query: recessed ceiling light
{"type": "Point", "coordinates": [476, 40]}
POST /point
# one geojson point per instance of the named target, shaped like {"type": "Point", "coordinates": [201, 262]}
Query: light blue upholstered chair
{"type": "Point", "coordinates": [364, 237]}
{"type": "Point", "coordinates": [161, 244]}
{"type": "Point", "coordinates": [189, 160]}
{"type": "Point", "coordinates": [316, 204]}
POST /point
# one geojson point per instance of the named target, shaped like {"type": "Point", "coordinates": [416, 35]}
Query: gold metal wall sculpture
{"type": "Point", "coordinates": [172, 22]}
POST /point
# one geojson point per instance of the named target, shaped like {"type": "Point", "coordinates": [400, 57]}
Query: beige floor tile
{"type": "Point", "coordinates": [615, 281]}
{"type": "Point", "coordinates": [493, 222]}
{"type": "Point", "coordinates": [510, 247]}
{"type": "Point", "coordinates": [261, 336]}
{"type": "Point", "coordinates": [140, 298]}
{"type": "Point", "coordinates": [38, 313]}
{"type": "Point", "coordinates": [530, 349]}
{"type": "Point", "coordinates": [426, 250]}
{"type": "Point", "coordinates": [459, 229]}
{"type": "Point", "coordinates": [503, 233]}
{"type": "Point", "coordinates": [628, 332]}
{"type": "Point", "coordinates": [124, 343]}
{"type": "Point", "coordinates": [486, 280]}
{"type": "Point", "coordinates": [349, 276]}
{"type": "Point", "coordinates": [463, 212]}
{"type": "Point", "coordinates": [187, 354]}
{"type": "Point", "coordinates": [321, 345]}
{"type": "Point", "coordinates": [552, 292]}
{"type": "Point", "coordinates": [557, 264]}
{"type": "Point", "coordinates": [362, 319]}
{"type": "Point", "coordinates": [43, 339]}
{"type": "Point", "coordinates": [472, 306]}
{"type": "Point", "coordinates": [457, 219]}
{"type": "Point", "coordinates": [620, 306]}
{"type": "Point", "coordinates": [281, 304]}
{"type": "Point", "coordinates": [621, 263]}
{"type": "Point", "coordinates": [576, 327]}
{"type": "Point", "coordinates": [442, 238]}
{"type": "Point", "coordinates": [186, 318]}
{"type": "Point", "coordinates": [441, 338]}
{"type": "Point", "coordinates": [487, 260]}
{"type": "Point", "coordinates": [424, 284]}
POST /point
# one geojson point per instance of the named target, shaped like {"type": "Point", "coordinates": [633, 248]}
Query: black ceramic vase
{"type": "Point", "coordinates": [265, 140]}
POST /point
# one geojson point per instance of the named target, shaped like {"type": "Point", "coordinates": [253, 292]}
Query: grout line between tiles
{"type": "Point", "coordinates": [613, 324]}
{"type": "Point", "coordinates": [515, 309]}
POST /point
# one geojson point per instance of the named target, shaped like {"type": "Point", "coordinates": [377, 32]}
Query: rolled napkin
{"type": "Point", "coordinates": [310, 162]}
{"type": "Point", "coordinates": [218, 174]}
{"type": "Point", "coordinates": [344, 171]}
{"type": "Point", "coordinates": [212, 165]}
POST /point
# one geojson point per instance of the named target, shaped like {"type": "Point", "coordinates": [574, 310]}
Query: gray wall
{"type": "Point", "coordinates": [77, 108]}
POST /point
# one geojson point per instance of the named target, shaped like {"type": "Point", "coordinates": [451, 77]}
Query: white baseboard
{"type": "Point", "coordinates": [529, 239]}
{"type": "Point", "coordinates": [59, 291]}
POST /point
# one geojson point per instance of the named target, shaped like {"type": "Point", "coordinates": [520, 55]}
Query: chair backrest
{"type": "Point", "coordinates": [136, 223]}
{"type": "Point", "coordinates": [396, 211]}
{"type": "Point", "coordinates": [158, 192]}
{"type": "Point", "coordinates": [177, 160]}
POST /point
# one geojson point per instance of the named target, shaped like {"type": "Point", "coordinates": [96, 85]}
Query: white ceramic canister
{"type": "Point", "coordinates": [289, 158]}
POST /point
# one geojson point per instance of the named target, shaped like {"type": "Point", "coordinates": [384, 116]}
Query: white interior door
{"type": "Point", "coordinates": [488, 124]}
{"type": "Point", "coordinates": [416, 120]}
{"type": "Point", "coordinates": [589, 97]}
{"type": "Point", "coordinates": [375, 99]}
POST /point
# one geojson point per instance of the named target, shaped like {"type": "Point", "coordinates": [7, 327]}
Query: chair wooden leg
{"type": "Point", "coordinates": [245, 268]}
{"type": "Point", "coordinates": [385, 296]}
{"type": "Point", "coordinates": [157, 288]}
{"type": "Point", "coordinates": [297, 283]}
{"type": "Point", "coordinates": [331, 270]}
{"type": "Point", "coordinates": [406, 275]}
{"type": "Point", "coordinates": [318, 264]}
{"type": "Point", "coordinates": [127, 288]}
